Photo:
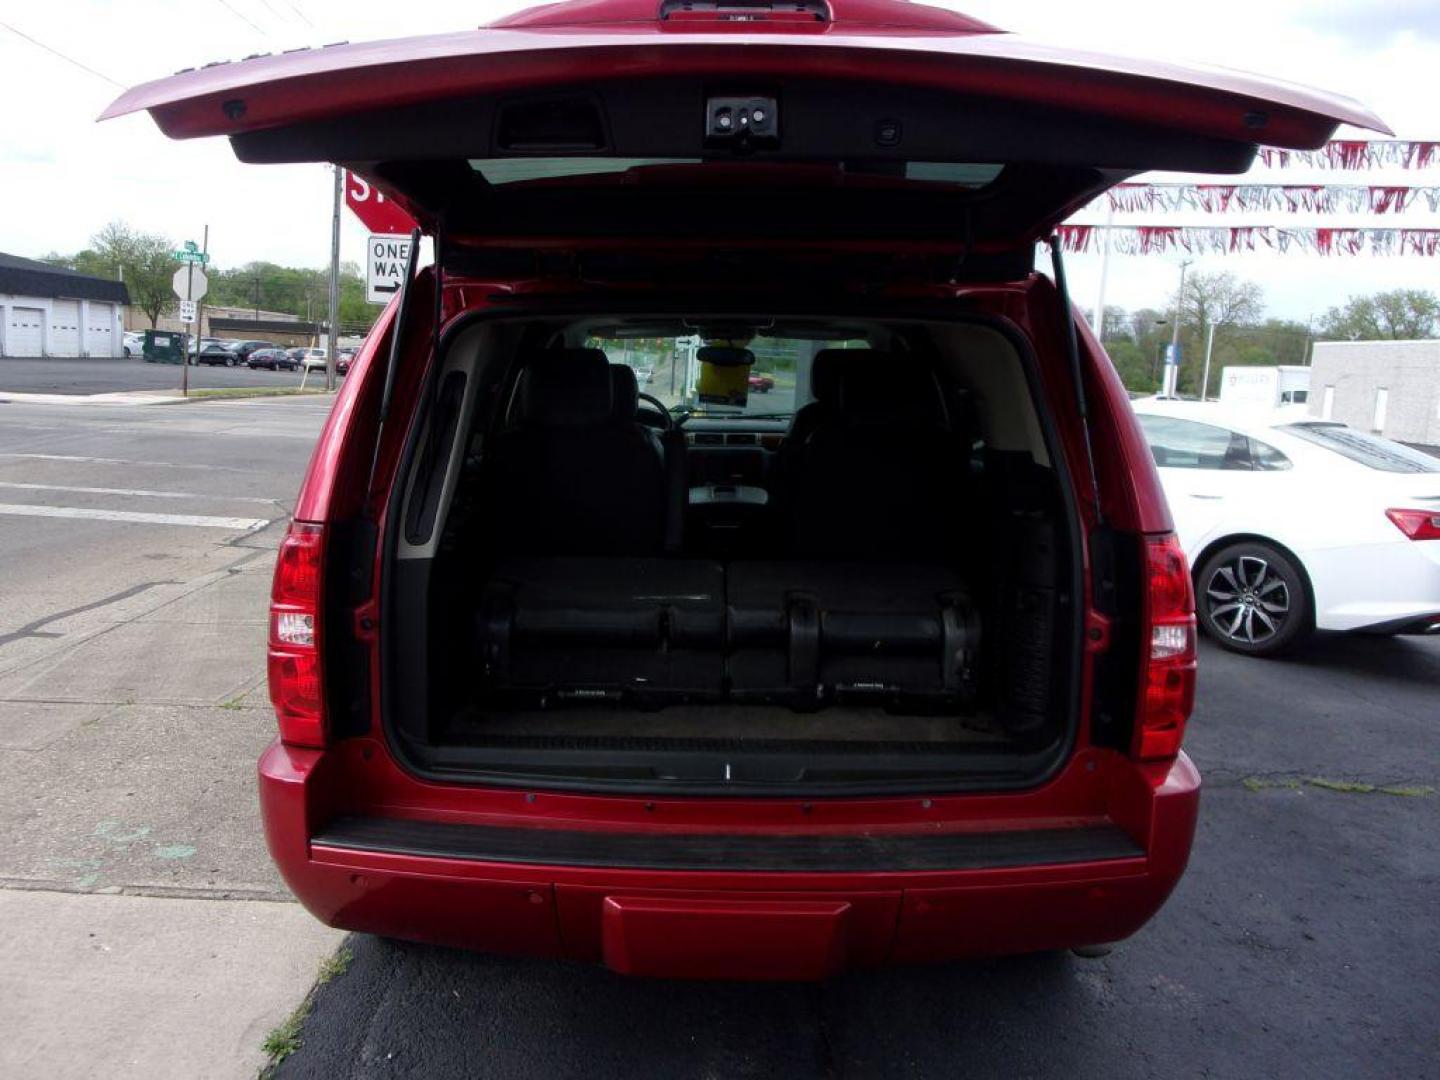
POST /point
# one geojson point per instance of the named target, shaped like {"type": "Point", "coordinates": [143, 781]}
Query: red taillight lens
{"type": "Point", "coordinates": [1416, 524]}
{"type": "Point", "coordinates": [1168, 684]}
{"type": "Point", "coordinates": [296, 688]}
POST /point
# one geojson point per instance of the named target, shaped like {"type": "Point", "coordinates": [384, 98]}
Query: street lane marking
{"type": "Point", "coordinates": [199, 521]}
{"type": "Point", "coordinates": [124, 461]}
{"type": "Point", "coordinates": [141, 492]}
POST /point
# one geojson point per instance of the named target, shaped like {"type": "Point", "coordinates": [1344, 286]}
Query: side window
{"type": "Point", "coordinates": [1184, 444]}
{"type": "Point", "coordinates": [1266, 457]}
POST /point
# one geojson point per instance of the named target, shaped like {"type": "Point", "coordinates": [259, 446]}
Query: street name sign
{"type": "Point", "coordinates": [386, 256]}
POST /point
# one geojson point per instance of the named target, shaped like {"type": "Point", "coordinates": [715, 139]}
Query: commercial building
{"type": "Point", "coordinates": [1388, 387]}
{"type": "Point", "coordinates": [50, 311]}
{"type": "Point", "coordinates": [238, 323]}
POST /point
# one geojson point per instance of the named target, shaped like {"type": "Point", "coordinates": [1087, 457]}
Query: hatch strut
{"type": "Point", "coordinates": [392, 359]}
{"type": "Point", "coordinates": [1072, 352]}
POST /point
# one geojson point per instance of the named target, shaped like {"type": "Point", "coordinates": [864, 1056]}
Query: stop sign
{"type": "Point", "coordinates": [379, 214]}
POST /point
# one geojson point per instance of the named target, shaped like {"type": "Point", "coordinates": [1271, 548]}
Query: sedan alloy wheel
{"type": "Point", "coordinates": [1252, 599]}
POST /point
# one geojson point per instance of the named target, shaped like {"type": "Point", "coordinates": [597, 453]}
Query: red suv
{"type": "Point", "coordinates": [891, 666]}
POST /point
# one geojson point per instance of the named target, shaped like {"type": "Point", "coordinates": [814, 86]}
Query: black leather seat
{"type": "Point", "coordinates": [877, 477]}
{"type": "Point", "coordinates": [578, 476]}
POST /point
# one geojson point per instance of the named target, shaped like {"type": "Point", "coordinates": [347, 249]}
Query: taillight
{"type": "Point", "coordinates": [296, 689]}
{"type": "Point", "coordinates": [1168, 682]}
{"type": "Point", "coordinates": [1416, 524]}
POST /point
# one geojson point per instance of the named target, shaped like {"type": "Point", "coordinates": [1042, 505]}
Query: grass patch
{"type": "Point", "coordinates": [1256, 783]}
{"type": "Point", "coordinates": [234, 704]}
{"type": "Point", "coordinates": [284, 1038]}
{"type": "Point", "coordinates": [335, 965]}
{"type": "Point", "coordinates": [216, 393]}
{"type": "Point", "coordinates": [1344, 787]}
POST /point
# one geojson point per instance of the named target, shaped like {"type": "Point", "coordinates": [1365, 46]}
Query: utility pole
{"type": "Point", "coordinates": [332, 330]}
{"type": "Point", "coordinates": [1099, 321]}
{"type": "Point", "coordinates": [1209, 348]}
{"type": "Point", "coordinates": [1172, 369]}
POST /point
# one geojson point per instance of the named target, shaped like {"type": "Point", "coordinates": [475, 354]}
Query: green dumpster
{"type": "Point", "coordinates": [164, 347]}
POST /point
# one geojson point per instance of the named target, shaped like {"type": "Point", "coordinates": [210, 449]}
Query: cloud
{"type": "Point", "coordinates": [72, 175]}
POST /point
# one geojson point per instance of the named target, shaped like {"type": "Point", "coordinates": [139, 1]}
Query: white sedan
{"type": "Point", "coordinates": [1293, 523]}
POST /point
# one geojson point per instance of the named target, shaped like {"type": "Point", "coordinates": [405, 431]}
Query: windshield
{"type": "Point", "coordinates": [1369, 450]}
{"type": "Point", "coordinates": [691, 375]}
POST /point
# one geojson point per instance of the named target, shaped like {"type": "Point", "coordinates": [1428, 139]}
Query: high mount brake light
{"type": "Point", "coordinates": [296, 689]}
{"type": "Point", "coordinates": [1167, 691]}
{"type": "Point", "coordinates": [1416, 524]}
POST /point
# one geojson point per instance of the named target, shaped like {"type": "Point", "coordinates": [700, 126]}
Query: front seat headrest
{"type": "Point", "coordinates": [624, 392]}
{"type": "Point", "coordinates": [898, 392]}
{"type": "Point", "coordinates": [566, 388]}
{"type": "Point", "coordinates": [830, 365]}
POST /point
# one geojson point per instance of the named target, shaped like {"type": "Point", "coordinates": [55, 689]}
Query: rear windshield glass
{"type": "Point", "coordinates": [519, 170]}
{"type": "Point", "coordinates": [677, 372]}
{"type": "Point", "coordinates": [1372, 451]}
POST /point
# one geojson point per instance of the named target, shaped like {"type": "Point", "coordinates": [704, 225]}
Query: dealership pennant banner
{"type": "Point", "coordinates": [1192, 240]}
{"type": "Point", "coordinates": [1357, 154]}
{"type": "Point", "coordinates": [1274, 198]}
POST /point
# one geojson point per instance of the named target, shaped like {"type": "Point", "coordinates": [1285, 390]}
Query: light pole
{"type": "Point", "coordinates": [1172, 369]}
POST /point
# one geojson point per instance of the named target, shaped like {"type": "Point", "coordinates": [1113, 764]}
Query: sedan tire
{"type": "Point", "coordinates": [1253, 599]}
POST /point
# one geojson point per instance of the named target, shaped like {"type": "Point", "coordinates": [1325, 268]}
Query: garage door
{"type": "Point", "coordinates": [65, 328]}
{"type": "Point", "coordinates": [100, 329]}
{"type": "Point", "coordinates": [24, 331]}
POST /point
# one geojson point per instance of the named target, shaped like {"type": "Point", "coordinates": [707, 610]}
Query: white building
{"type": "Point", "coordinates": [49, 311]}
{"type": "Point", "coordinates": [1389, 387]}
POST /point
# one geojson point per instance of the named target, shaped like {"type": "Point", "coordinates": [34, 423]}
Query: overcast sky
{"type": "Point", "coordinates": [63, 176]}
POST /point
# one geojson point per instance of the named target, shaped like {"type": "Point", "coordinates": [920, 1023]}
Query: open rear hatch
{"type": "Point", "coordinates": [729, 140]}
{"type": "Point", "coordinates": [860, 123]}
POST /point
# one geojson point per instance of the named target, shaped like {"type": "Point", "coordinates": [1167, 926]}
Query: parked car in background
{"type": "Point", "coordinates": [1294, 524]}
{"type": "Point", "coordinates": [271, 360]}
{"type": "Point", "coordinates": [216, 353]}
{"type": "Point", "coordinates": [760, 383]}
{"type": "Point", "coordinates": [313, 359]}
{"type": "Point", "coordinates": [243, 349]}
{"type": "Point", "coordinates": [134, 343]}
{"type": "Point", "coordinates": [921, 699]}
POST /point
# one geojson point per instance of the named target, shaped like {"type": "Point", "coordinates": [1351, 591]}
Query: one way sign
{"type": "Point", "coordinates": [385, 258]}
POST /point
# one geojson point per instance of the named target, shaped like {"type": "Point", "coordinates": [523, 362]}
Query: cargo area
{"type": "Point", "coordinates": [730, 554]}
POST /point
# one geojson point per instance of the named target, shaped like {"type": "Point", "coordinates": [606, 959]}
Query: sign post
{"type": "Point", "coordinates": [190, 285]}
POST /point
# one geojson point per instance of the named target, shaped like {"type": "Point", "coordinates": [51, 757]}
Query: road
{"type": "Point", "coordinates": [1303, 941]}
{"type": "Point", "coordinates": [56, 375]}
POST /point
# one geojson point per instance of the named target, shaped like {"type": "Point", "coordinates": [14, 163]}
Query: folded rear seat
{"type": "Point", "coordinates": [642, 631]}
{"type": "Point", "coordinates": [806, 634]}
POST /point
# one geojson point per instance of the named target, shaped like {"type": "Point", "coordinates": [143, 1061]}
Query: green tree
{"type": "Point", "coordinates": [143, 260]}
{"type": "Point", "coordinates": [1395, 315]}
{"type": "Point", "coordinates": [1221, 300]}
{"type": "Point", "coordinates": [1133, 366]}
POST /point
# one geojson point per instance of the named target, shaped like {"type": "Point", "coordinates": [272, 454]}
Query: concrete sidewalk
{"type": "Point", "coordinates": [120, 986]}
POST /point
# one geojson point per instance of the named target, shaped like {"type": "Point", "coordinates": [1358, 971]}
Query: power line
{"type": "Point", "coordinates": [296, 9]}
{"type": "Point", "coordinates": [245, 19]}
{"type": "Point", "coordinates": [56, 52]}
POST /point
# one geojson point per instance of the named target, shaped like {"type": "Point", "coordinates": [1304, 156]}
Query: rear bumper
{"type": "Point", "coordinates": [732, 904]}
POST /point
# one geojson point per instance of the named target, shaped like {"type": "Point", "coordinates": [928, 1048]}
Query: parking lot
{"type": "Point", "coordinates": [137, 547]}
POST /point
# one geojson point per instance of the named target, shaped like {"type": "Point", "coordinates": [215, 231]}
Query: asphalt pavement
{"type": "Point", "coordinates": [1303, 941]}
{"type": "Point", "coordinates": [69, 375]}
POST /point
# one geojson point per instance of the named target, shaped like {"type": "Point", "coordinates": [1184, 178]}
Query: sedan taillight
{"type": "Point", "coordinates": [1167, 691]}
{"type": "Point", "coordinates": [296, 689]}
{"type": "Point", "coordinates": [1416, 524]}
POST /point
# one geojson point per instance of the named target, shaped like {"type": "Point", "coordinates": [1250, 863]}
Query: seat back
{"type": "Point", "coordinates": [877, 477]}
{"type": "Point", "coordinates": [577, 476]}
